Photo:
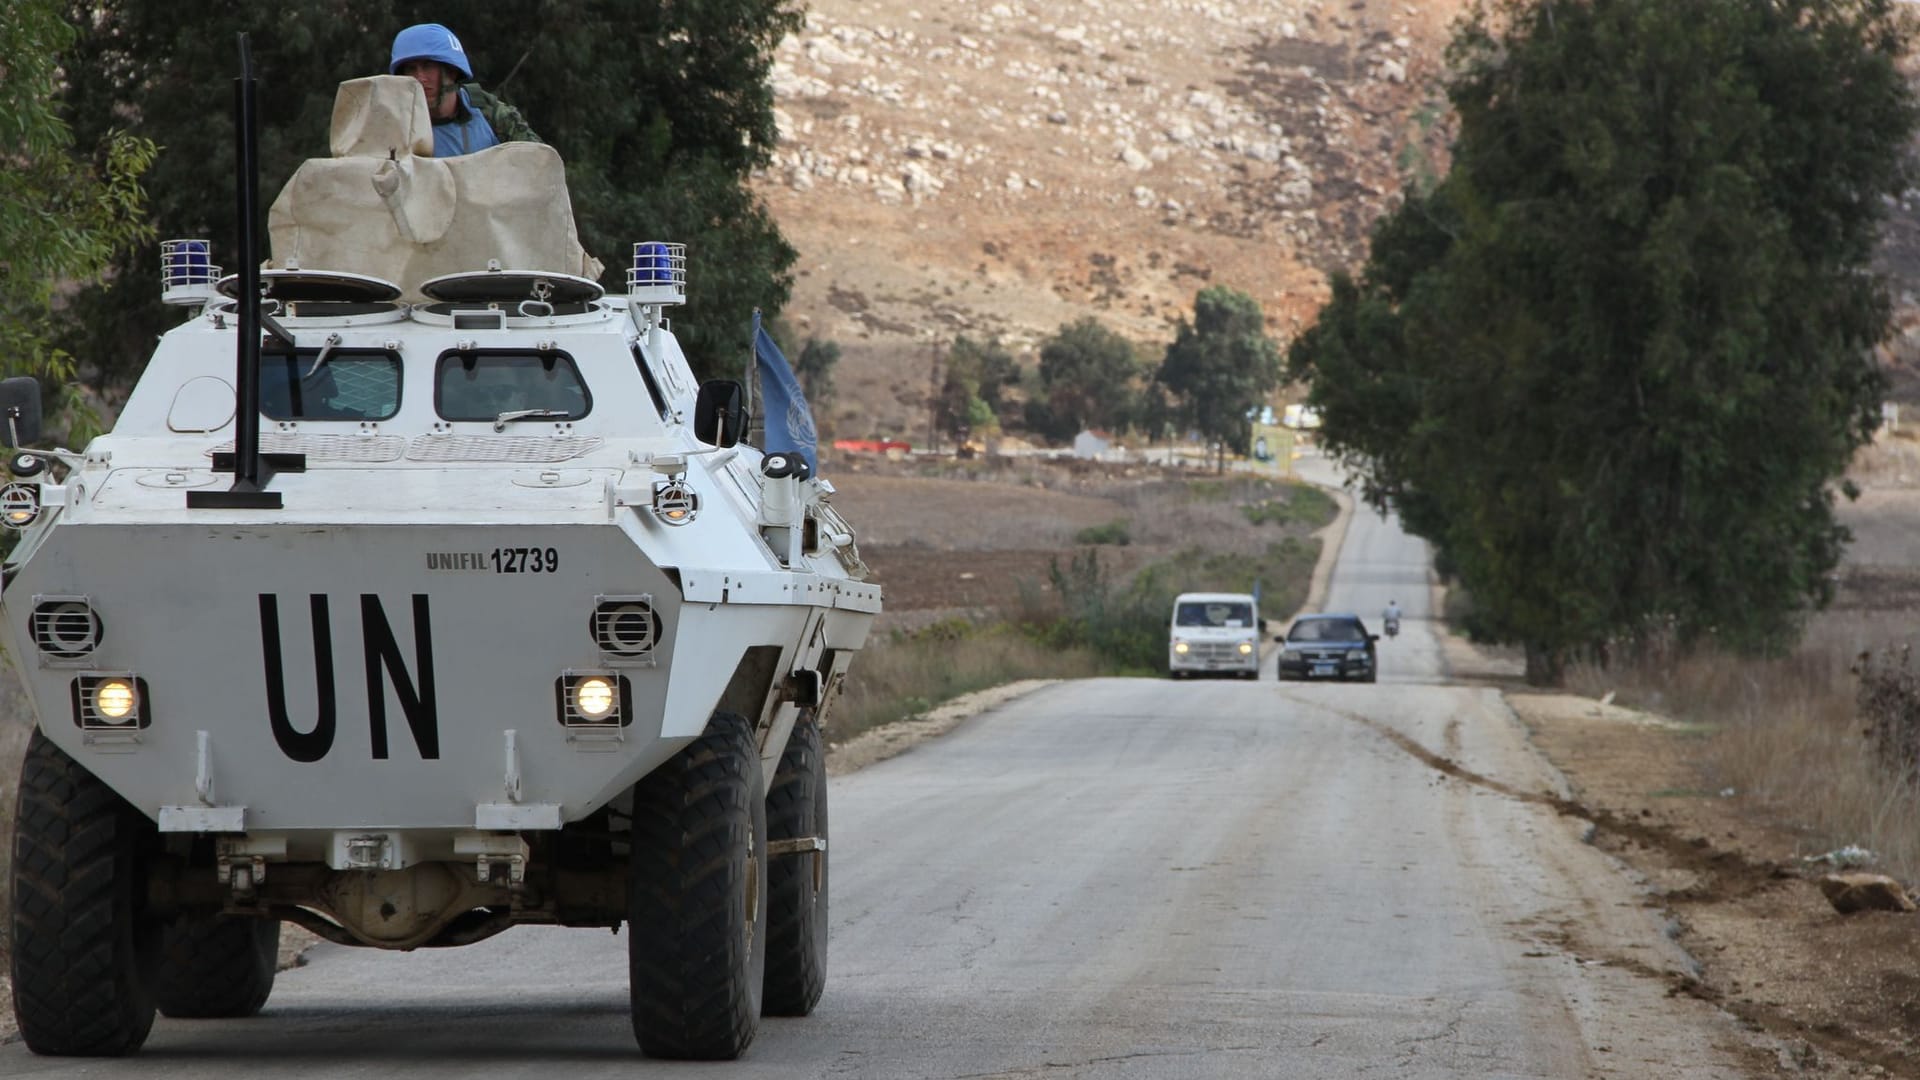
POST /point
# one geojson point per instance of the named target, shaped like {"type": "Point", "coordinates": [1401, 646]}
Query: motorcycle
{"type": "Point", "coordinates": [1393, 628]}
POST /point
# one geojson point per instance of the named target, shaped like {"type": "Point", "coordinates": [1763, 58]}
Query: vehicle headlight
{"type": "Point", "coordinates": [114, 698]}
{"type": "Point", "coordinates": [674, 502]}
{"type": "Point", "coordinates": [111, 702]}
{"type": "Point", "coordinates": [1180, 647]}
{"type": "Point", "coordinates": [1246, 648]}
{"type": "Point", "coordinates": [593, 697]}
{"type": "Point", "coordinates": [594, 700]}
{"type": "Point", "coordinates": [19, 505]}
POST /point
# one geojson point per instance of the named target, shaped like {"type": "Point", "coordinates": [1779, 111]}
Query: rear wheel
{"type": "Point", "coordinates": [797, 880]}
{"type": "Point", "coordinates": [697, 900]}
{"type": "Point", "coordinates": [82, 943]}
{"type": "Point", "coordinates": [216, 965]}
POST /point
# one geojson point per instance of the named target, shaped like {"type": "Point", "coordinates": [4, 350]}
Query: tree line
{"type": "Point", "coordinates": [660, 112]}
{"type": "Point", "coordinates": [1218, 370]}
{"type": "Point", "coordinates": [1615, 363]}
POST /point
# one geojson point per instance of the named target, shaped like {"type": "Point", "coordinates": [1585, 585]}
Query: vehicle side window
{"type": "Point", "coordinates": [485, 385]}
{"type": "Point", "coordinates": [346, 384]}
{"type": "Point", "coordinates": [653, 384]}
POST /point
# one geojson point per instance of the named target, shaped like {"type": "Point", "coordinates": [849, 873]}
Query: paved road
{"type": "Point", "coordinates": [1108, 879]}
{"type": "Point", "coordinates": [1380, 564]}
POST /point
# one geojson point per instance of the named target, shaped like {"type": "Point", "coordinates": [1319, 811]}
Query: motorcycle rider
{"type": "Point", "coordinates": [1391, 617]}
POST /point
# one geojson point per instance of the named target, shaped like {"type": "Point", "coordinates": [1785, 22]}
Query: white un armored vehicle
{"type": "Point", "coordinates": [479, 618]}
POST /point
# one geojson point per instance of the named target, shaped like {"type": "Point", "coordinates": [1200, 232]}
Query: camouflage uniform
{"type": "Point", "coordinates": [479, 121]}
{"type": "Point", "coordinates": [506, 120]}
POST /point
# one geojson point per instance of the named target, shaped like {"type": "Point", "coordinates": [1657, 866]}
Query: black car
{"type": "Point", "coordinates": [1328, 647]}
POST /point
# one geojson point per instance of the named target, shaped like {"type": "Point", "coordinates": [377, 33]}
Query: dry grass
{"type": "Point", "coordinates": [908, 674]}
{"type": "Point", "coordinates": [1174, 511]}
{"type": "Point", "coordinates": [1789, 733]}
{"type": "Point", "coordinates": [1094, 616]}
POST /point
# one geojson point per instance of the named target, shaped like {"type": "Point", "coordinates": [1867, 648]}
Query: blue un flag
{"type": "Point", "coordinates": [789, 421]}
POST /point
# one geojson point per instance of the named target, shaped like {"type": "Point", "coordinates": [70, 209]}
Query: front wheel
{"type": "Point", "coordinates": [797, 876]}
{"type": "Point", "coordinates": [697, 898]}
{"type": "Point", "coordinates": [82, 943]}
{"type": "Point", "coordinates": [216, 966]}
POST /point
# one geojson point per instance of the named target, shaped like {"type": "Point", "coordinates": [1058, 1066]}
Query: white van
{"type": "Point", "coordinates": [1214, 632]}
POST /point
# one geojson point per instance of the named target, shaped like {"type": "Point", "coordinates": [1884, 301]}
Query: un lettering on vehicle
{"type": "Point", "coordinates": [307, 733]}
{"type": "Point", "coordinates": [499, 560]}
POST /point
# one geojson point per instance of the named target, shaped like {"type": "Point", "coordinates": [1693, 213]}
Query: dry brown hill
{"type": "Point", "coordinates": [1000, 167]}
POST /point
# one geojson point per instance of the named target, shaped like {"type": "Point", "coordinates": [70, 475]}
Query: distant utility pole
{"type": "Point", "coordinates": [933, 400]}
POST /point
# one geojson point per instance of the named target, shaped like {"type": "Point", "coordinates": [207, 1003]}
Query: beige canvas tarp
{"type": "Point", "coordinates": [385, 207]}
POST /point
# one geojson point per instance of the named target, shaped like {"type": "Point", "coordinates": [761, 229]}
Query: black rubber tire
{"type": "Point", "coordinates": [216, 966]}
{"type": "Point", "coordinates": [696, 954]}
{"type": "Point", "coordinates": [82, 947]}
{"type": "Point", "coordinates": [797, 885]}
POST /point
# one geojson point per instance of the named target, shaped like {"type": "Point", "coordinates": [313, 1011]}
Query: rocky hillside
{"type": "Point", "coordinates": [999, 167]}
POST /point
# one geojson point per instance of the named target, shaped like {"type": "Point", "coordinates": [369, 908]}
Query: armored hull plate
{"type": "Point", "coordinates": [352, 677]}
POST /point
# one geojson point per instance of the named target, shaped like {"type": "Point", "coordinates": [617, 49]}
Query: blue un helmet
{"type": "Point", "coordinates": [429, 41]}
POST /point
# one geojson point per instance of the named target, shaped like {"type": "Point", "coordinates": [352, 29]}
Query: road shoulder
{"type": "Point", "coordinates": [1834, 992]}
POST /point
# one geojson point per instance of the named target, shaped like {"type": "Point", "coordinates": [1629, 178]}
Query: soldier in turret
{"type": "Point", "coordinates": [466, 118]}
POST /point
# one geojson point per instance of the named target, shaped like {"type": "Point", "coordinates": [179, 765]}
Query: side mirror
{"type": "Point", "coordinates": [19, 411]}
{"type": "Point", "coordinates": [1279, 637]}
{"type": "Point", "coordinates": [720, 412]}
{"type": "Point", "coordinates": [1373, 637]}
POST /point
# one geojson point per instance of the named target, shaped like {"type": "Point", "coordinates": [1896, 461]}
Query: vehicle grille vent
{"type": "Point", "coordinates": [328, 447]}
{"type": "Point", "coordinates": [501, 447]}
{"type": "Point", "coordinates": [626, 628]}
{"type": "Point", "coordinates": [1215, 650]}
{"type": "Point", "coordinates": [65, 627]}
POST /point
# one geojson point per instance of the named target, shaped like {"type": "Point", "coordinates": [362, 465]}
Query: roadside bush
{"type": "Point", "coordinates": [1123, 624]}
{"type": "Point", "coordinates": [1302, 505]}
{"type": "Point", "coordinates": [1822, 738]}
{"type": "Point", "coordinates": [906, 674]}
{"type": "Point", "coordinates": [1113, 532]}
{"type": "Point", "coordinates": [1208, 490]}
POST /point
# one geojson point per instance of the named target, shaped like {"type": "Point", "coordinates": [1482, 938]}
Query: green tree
{"type": "Point", "coordinates": [660, 111]}
{"type": "Point", "coordinates": [1613, 364]}
{"type": "Point", "coordinates": [973, 393]}
{"type": "Point", "coordinates": [814, 368]}
{"type": "Point", "coordinates": [63, 214]}
{"type": "Point", "coordinates": [1220, 367]}
{"type": "Point", "coordinates": [1087, 378]}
